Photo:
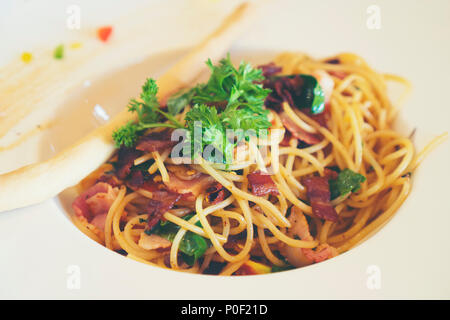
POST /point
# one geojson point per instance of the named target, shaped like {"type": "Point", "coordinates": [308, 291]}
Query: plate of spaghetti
{"type": "Point", "coordinates": [259, 169]}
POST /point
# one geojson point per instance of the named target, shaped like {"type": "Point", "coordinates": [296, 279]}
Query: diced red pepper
{"type": "Point", "coordinates": [104, 33]}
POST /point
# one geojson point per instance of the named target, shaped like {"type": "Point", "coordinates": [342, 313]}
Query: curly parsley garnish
{"type": "Point", "coordinates": [232, 99]}
{"type": "Point", "coordinates": [149, 115]}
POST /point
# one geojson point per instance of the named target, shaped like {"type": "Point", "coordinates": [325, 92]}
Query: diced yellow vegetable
{"type": "Point", "coordinates": [252, 267]}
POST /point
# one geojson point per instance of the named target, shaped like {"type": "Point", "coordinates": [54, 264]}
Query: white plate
{"type": "Point", "coordinates": [42, 251]}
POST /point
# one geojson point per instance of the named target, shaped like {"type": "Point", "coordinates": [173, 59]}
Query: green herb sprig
{"type": "Point", "coordinates": [149, 115]}
{"type": "Point", "coordinates": [192, 246]}
{"type": "Point", "coordinates": [232, 98]}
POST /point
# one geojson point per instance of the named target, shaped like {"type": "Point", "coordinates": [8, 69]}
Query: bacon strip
{"type": "Point", "coordinates": [158, 205]}
{"type": "Point", "coordinates": [190, 189]}
{"type": "Point", "coordinates": [216, 193]}
{"type": "Point", "coordinates": [136, 179]}
{"type": "Point", "coordinates": [125, 160]}
{"type": "Point", "coordinates": [338, 74]}
{"type": "Point", "coordinates": [155, 141]}
{"type": "Point", "coordinates": [323, 252]}
{"type": "Point", "coordinates": [109, 179]}
{"type": "Point", "coordinates": [289, 89]}
{"type": "Point", "coordinates": [318, 192]}
{"type": "Point", "coordinates": [153, 242]}
{"type": "Point", "coordinates": [287, 137]}
{"type": "Point", "coordinates": [283, 89]}
{"type": "Point", "coordinates": [99, 221]}
{"type": "Point", "coordinates": [262, 184]}
{"type": "Point", "coordinates": [162, 200]}
{"type": "Point", "coordinates": [270, 69]}
{"type": "Point", "coordinates": [300, 257]}
{"type": "Point", "coordinates": [297, 132]}
{"type": "Point", "coordinates": [95, 201]}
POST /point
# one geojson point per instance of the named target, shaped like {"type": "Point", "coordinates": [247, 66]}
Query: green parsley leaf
{"type": "Point", "coordinates": [280, 269]}
{"type": "Point", "coordinates": [311, 97]}
{"type": "Point", "coordinates": [177, 102]}
{"type": "Point", "coordinates": [192, 246]}
{"type": "Point", "coordinates": [231, 99]}
{"type": "Point", "coordinates": [347, 181]}
{"type": "Point", "coordinates": [149, 115]}
{"type": "Point", "coordinates": [205, 120]}
{"type": "Point", "coordinates": [233, 86]}
{"type": "Point", "coordinates": [126, 135]}
{"type": "Point", "coordinates": [226, 86]}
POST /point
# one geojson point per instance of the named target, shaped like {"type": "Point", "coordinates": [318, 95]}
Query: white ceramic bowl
{"type": "Point", "coordinates": [43, 252]}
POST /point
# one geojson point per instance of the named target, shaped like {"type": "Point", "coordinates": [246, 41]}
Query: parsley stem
{"type": "Point", "coordinates": [157, 125]}
{"type": "Point", "coordinates": [171, 118]}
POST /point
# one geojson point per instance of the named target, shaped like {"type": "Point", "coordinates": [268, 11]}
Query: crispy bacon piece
{"type": "Point", "coordinates": [153, 242]}
{"type": "Point", "coordinates": [190, 189]}
{"type": "Point", "coordinates": [287, 137]}
{"type": "Point", "coordinates": [290, 89]}
{"type": "Point", "coordinates": [297, 132]}
{"type": "Point", "coordinates": [299, 225]}
{"type": "Point", "coordinates": [151, 185]}
{"type": "Point", "coordinates": [160, 203]}
{"type": "Point", "coordinates": [270, 69]}
{"type": "Point", "coordinates": [99, 221]}
{"type": "Point", "coordinates": [183, 172]}
{"type": "Point", "coordinates": [300, 257]}
{"type": "Point", "coordinates": [330, 174]}
{"type": "Point", "coordinates": [95, 201]}
{"type": "Point", "coordinates": [109, 179]}
{"type": "Point", "coordinates": [162, 200]}
{"type": "Point", "coordinates": [135, 179]}
{"type": "Point", "coordinates": [283, 89]}
{"type": "Point", "coordinates": [318, 192]}
{"type": "Point", "coordinates": [338, 74]}
{"type": "Point", "coordinates": [155, 141]}
{"type": "Point", "coordinates": [216, 193]}
{"type": "Point", "coordinates": [262, 184]}
{"type": "Point", "coordinates": [165, 195]}
{"type": "Point", "coordinates": [125, 160]}
{"type": "Point", "coordinates": [323, 252]}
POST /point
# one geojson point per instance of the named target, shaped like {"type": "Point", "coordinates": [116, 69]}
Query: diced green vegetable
{"type": "Point", "coordinates": [58, 53]}
{"type": "Point", "coordinates": [312, 96]}
{"type": "Point", "coordinates": [192, 246]}
{"type": "Point", "coordinates": [279, 269]}
{"type": "Point", "coordinates": [347, 181]}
